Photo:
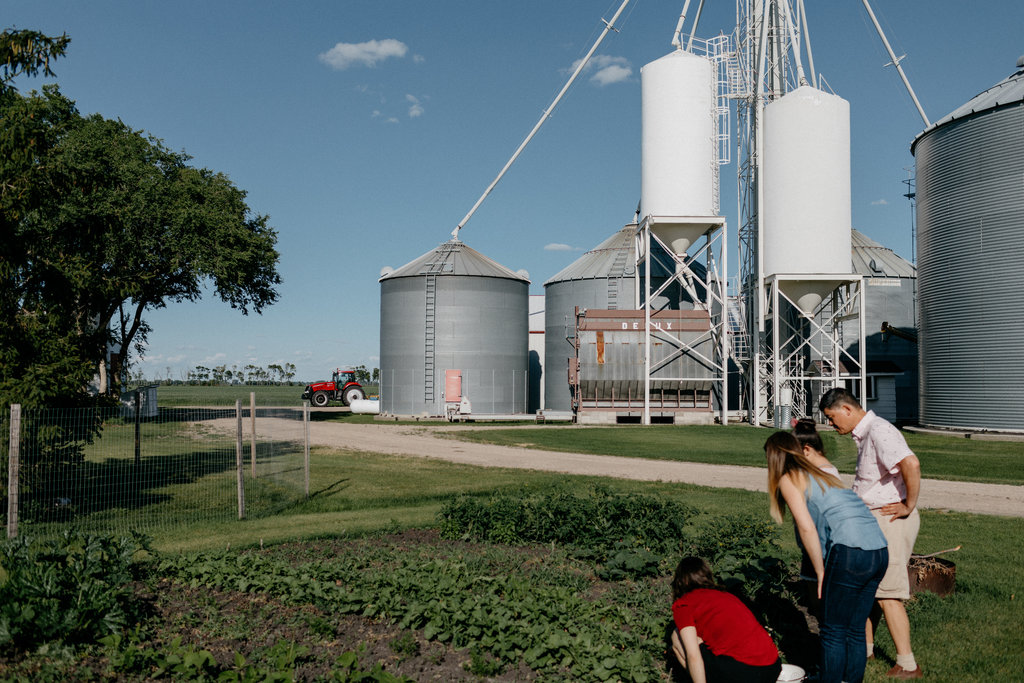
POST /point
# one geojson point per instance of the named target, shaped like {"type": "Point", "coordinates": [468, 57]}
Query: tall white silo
{"type": "Point", "coordinates": [679, 163]}
{"type": "Point", "coordinates": [806, 194]}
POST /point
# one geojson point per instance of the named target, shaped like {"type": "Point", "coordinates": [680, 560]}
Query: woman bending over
{"type": "Point", "coordinates": [845, 546]}
{"type": "Point", "coordinates": [716, 637]}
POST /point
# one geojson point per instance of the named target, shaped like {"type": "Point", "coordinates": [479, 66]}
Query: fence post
{"type": "Point", "coordinates": [252, 421]}
{"type": "Point", "coordinates": [238, 458]}
{"type": "Point", "coordinates": [13, 465]}
{"type": "Point", "coordinates": [305, 425]}
{"type": "Point", "coordinates": [138, 428]}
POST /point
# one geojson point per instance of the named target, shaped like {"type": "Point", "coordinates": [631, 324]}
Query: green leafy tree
{"type": "Point", "coordinates": [362, 374]}
{"type": "Point", "coordinates": [100, 223]}
{"type": "Point", "coordinates": [43, 352]}
{"type": "Point", "coordinates": [143, 228]}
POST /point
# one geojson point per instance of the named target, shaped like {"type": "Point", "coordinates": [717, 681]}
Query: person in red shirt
{"type": "Point", "coordinates": [716, 637]}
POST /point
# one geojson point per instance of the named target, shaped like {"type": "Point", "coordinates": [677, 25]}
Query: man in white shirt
{"type": "Point", "coordinates": [888, 480]}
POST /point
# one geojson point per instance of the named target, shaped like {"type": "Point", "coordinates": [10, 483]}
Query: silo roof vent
{"type": "Point", "coordinates": [454, 258]}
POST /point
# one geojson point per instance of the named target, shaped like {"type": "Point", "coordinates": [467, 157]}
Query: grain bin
{"type": "Point", "coordinates": [453, 310]}
{"type": "Point", "coordinates": [806, 226]}
{"type": "Point", "coordinates": [970, 245]}
{"type": "Point", "coordinates": [604, 278]}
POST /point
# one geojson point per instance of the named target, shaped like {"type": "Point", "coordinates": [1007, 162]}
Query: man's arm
{"type": "Point", "coordinates": [910, 469]}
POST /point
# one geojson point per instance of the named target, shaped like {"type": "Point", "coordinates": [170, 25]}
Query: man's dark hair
{"type": "Point", "coordinates": [836, 396]}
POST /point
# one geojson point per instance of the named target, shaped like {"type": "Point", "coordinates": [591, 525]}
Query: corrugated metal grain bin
{"type": "Point", "coordinates": [604, 277]}
{"type": "Point", "coordinates": [453, 309]}
{"type": "Point", "coordinates": [970, 232]}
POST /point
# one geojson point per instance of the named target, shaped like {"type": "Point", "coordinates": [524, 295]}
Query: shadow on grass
{"type": "Point", "coordinates": [90, 488]}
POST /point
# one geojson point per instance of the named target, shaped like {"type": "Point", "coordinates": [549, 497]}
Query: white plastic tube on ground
{"type": "Point", "coordinates": [365, 406]}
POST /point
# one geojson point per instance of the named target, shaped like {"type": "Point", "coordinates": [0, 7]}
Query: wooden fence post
{"type": "Point", "coordinates": [252, 425]}
{"type": "Point", "coordinates": [13, 467]}
{"type": "Point", "coordinates": [138, 428]}
{"type": "Point", "coordinates": [305, 424]}
{"type": "Point", "coordinates": [238, 459]}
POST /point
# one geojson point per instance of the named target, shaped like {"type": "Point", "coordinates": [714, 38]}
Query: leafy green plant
{"type": "Point", "coordinates": [349, 671]}
{"type": "Point", "coordinates": [73, 590]}
{"type": "Point", "coordinates": [630, 563]}
{"type": "Point", "coordinates": [406, 645]}
{"type": "Point", "coordinates": [597, 520]}
{"type": "Point", "coordinates": [480, 665]}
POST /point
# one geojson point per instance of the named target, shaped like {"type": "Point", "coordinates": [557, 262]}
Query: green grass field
{"type": "Point", "coordinates": [176, 395]}
{"type": "Point", "coordinates": [942, 457]}
{"type": "Point", "coordinates": [974, 634]}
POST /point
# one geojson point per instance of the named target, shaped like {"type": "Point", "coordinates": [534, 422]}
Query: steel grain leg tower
{"type": "Point", "coordinates": [797, 284]}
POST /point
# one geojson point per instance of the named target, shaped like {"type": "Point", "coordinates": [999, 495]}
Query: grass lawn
{"type": "Point", "coordinates": [176, 395]}
{"type": "Point", "coordinates": [973, 635]}
{"type": "Point", "coordinates": [942, 457]}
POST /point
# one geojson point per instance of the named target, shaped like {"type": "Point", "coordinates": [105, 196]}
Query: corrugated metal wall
{"type": "Point", "coordinates": [480, 328]}
{"type": "Point", "coordinates": [970, 202]}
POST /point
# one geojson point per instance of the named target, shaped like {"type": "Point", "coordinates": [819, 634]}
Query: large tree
{"type": "Point", "coordinates": [40, 355]}
{"type": "Point", "coordinates": [137, 227]}
{"type": "Point", "coordinates": [104, 223]}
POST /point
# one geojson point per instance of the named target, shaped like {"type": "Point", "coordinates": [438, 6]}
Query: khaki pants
{"type": "Point", "coordinates": [900, 534]}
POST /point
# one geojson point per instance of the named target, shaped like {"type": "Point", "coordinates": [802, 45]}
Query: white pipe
{"type": "Point", "coordinates": [677, 40]}
{"type": "Point", "coordinates": [696, 19]}
{"type": "Point", "coordinates": [896, 62]}
{"type": "Point", "coordinates": [793, 38]}
{"type": "Point", "coordinates": [807, 41]}
{"type": "Point", "coordinates": [608, 26]}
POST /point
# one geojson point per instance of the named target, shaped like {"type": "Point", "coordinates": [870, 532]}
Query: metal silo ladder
{"type": "Point", "coordinates": [433, 269]}
{"type": "Point", "coordinates": [615, 274]}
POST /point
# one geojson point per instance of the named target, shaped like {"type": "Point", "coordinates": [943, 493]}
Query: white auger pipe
{"type": "Point", "coordinates": [608, 26]}
{"type": "Point", "coordinates": [896, 62]}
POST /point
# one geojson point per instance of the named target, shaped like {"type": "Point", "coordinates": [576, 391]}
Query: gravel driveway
{"type": "Point", "coordinates": [421, 441]}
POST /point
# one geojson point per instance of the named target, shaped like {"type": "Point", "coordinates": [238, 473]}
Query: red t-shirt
{"type": "Point", "coordinates": [726, 625]}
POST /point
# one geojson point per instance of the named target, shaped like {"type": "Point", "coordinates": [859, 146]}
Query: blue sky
{"type": "Point", "coordinates": [366, 129]}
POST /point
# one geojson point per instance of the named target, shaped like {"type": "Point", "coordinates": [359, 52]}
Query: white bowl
{"type": "Point", "coordinates": [791, 673]}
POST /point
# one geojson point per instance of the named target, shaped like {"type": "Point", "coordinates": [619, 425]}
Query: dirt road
{"type": "Point", "coordinates": [423, 442]}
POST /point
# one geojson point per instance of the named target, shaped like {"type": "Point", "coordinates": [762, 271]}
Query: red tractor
{"type": "Point", "coordinates": [342, 387]}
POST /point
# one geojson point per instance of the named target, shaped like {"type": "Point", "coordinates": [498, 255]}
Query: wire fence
{"type": "Point", "coordinates": [113, 470]}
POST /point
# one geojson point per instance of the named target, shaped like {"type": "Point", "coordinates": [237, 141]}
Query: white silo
{"type": "Point", "coordinates": [679, 165]}
{"type": "Point", "coordinates": [806, 224]}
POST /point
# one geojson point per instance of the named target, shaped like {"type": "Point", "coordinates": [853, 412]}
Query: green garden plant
{"type": "Point", "coordinates": [73, 590]}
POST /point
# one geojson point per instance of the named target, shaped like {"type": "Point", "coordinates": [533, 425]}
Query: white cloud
{"type": "Point", "coordinates": [606, 69]}
{"type": "Point", "coordinates": [415, 108]}
{"type": "Point", "coordinates": [880, 202]}
{"type": "Point", "coordinates": [612, 74]}
{"type": "Point", "coordinates": [344, 55]}
{"type": "Point", "coordinates": [391, 119]}
{"type": "Point", "coordinates": [555, 246]}
{"type": "Point", "coordinates": [418, 59]}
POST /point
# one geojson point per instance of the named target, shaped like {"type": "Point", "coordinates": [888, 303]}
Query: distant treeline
{"type": "Point", "coordinates": [256, 375]}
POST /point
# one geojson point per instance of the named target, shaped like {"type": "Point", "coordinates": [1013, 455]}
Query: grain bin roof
{"type": "Point", "coordinates": [1007, 92]}
{"type": "Point", "coordinates": [613, 258]}
{"type": "Point", "coordinates": [871, 259]}
{"type": "Point", "coordinates": [454, 258]}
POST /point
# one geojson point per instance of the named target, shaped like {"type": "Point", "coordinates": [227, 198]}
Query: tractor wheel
{"type": "Point", "coordinates": [353, 394]}
{"type": "Point", "coordinates": [320, 399]}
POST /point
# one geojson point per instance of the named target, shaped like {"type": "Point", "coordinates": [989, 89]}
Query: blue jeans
{"type": "Point", "coordinates": [851, 577]}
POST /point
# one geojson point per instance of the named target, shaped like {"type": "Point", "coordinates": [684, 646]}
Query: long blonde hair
{"type": "Point", "coordinates": [785, 455]}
